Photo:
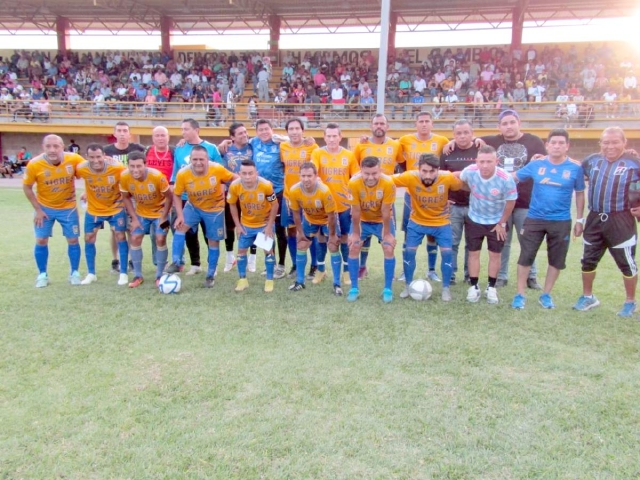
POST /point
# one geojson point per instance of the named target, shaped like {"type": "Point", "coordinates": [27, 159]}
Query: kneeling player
{"type": "Point", "coordinates": [314, 198]}
{"type": "Point", "coordinates": [259, 208]}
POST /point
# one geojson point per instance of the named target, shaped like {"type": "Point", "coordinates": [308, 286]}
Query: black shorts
{"type": "Point", "coordinates": [534, 230]}
{"type": "Point", "coordinates": [475, 233]}
{"type": "Point", "coordinates": [615, 232]}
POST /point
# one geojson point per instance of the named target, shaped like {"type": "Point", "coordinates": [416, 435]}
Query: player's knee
{"type": "Point", "coordinates": [43, 242]}
{"type": "Point", "coordinates": [214, 243]}
{"type": "Point", "coordinates": [387, 250]}
{"type": "Point", "coordinates": [120, 237]}
{"type": "Point", "coordinates": [91, 238]}
{"type": "Point", "coordinates": [354, 251]}
{"type": "Point", "coordinates": [72, 241]}
{"type": "Point", "coordinates": [588, 265]}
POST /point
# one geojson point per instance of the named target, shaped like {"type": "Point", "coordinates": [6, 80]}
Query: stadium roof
{"type": "Point", "coordinates": [252, 15]}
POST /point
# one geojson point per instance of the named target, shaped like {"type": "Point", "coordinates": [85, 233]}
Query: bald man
{"type": "Point", "coordinates": [53, 173]}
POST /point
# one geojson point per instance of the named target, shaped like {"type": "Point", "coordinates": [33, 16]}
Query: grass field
{"type": "Point", "coordinates": [104, 382]}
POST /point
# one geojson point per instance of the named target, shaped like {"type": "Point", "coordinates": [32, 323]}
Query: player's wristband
{"type": "Point", "coordinates": [580, 221]}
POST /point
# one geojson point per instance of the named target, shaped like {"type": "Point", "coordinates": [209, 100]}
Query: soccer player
{"type": "Point", "coordinates": [191, 137]}
{"type": "Point", "coordinates": [336, 166]}
{"type": "Point", "coordinates": [610, 223]}
{"type": "Point", "coordinates": [412, 147]}
{"type": "Point", "coordinates": [293, 153]}
{"type": "Point", "coordinates": [104, 204]}
{"type": "Point", "coordinates": [464, 154]}
{"type": "Point", "coordinates": [387, 151]}
{"type": "Point", "coordinates": [259, 207]}
{"type": "Point", "coordinates": [428, 189]}
{"type": "Point", "coordinates": [493, 196]}
{"type": "Point", "coordinates": [150, 215]}
{"type": "Point", "coordinates": [314, 199]}
{"type": "Point", "coordinates": [203, 182]}
{"type": "Point", "coordinates": [555, 178]}
{"type": "Point", "coordinates": [372, 195]}
{"type": "Point", "coordinates": [160, 154]}
{"type": "Point", "coordinates": [53, 174]}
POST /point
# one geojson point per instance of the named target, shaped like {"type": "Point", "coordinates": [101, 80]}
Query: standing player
{"type": "Point", "coordinates": [336, 166]}
{"type": "Point", "coordinates": [150, 215]}
{"type": "Point", "coordinates": [372, 195]}
{"type": "Point", "coordinates": [464, 154]}
{"type": "Point", "coordinates": [160, 154]}
{"type": "Point", "coordinates": [259, 207]}
{"type": "Point", "coordinates": [318, 219]}
{"type": "Point", "coordinates": [555, 178]}
{"type": "Point", "coordinates": [387, 151]}
{"type": "Point", "coordinates": [493, 196]}
{"type": "Point", "coordinates": [202, 181]}
{"type": "Point", "coordinates": [104, 204]}
{"type": "Point", "coordinates": [428, 190]}
{"type": "Point", "coordinates": [53, 174]}
{"type": "Point", "coordinates": [610, 224]}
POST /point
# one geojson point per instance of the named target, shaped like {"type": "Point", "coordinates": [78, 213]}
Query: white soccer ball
{"type": "Point", "coordinates": [169, 283]}
{"type": "Point", "coordinates": [420, 290]}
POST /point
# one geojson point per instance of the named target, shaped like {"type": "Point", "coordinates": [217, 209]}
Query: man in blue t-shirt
{"type": "Point", "coordinates": [555, 178]}
{"type": "Point", "coordinates": [493, 196]}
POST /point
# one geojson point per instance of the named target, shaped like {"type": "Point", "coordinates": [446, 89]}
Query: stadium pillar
{"type": "Point", "coordinates": [166, 24]}
{"type": "Point", "coordinates": [274, 39]}
{"type": "Point", "coordinates": [393, 24]}
{"type": "Point", "coordinates": [385, 9]}
{"type": "Point", "coordinates": [518, 24]}
{"type": "Point", "coordinates": [62, 31]}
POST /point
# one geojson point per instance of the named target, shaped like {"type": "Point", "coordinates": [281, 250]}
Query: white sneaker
{"type": "Point", "coordinates": [89, 279]}
{"type": "Point", "coordinates": [492, 295]}
{"type": "Point", "coordinates": [473, 294]}
{"type": "Point", "coordinates": [74, 278]}
{"type": "Point", "coordinates": [123, 279]}
{"type": "Point", "coordinates": [279, 272]}
{"type": "Point", "coordinates": [42, 280]}
{"type": "Point", "coordinates": [251, 263]}
{"type": "Point", "coordinates": [194, 270]}
{"type": "Point", "coordinates": [230, 263]}
{"type": "Point", "coordinates": [405, 292]}
{"type": "Point", "coordinates": [446, 294]}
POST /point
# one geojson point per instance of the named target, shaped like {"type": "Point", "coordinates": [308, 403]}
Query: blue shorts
{"type": "Point", "coordinates": [344, 222]}
{"type": "Point", "coordinates": [213, 222]}
{"type": "Point", "coordinates": [247, 239]}
{"type": "Point", "coordinates": [312, 230]}
{"type": "Point", "coordinates": [118, 222]}
{"type": "Point", "coordinates": [149, 225]}
{"type": "Point", "coordinates": [369, 229]}
{"type": "Point", "coordinates": [67, 218]}
{"type": "Point", "coordinates": [406, 211]}
{"type": "Point", "coordinates": [415, 233]}
{"type": "Point", "coordinates": [286, 215]}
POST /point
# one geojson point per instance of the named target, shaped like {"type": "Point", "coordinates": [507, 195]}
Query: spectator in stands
{"type": "Point", "coordinates": [6, 167]}
{"type": "Point", "coordinates": [610, 106]}
{"type": "Point", "coordinates": [450, 102]}
{"type": "Point", "coordinates": [5, 99]}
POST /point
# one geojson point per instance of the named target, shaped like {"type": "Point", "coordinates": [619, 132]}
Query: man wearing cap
{"type": "Point", "coordinates": [450, 101]}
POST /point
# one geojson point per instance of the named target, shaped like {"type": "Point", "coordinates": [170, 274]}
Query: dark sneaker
{"type": "Point", "coordinates": [312, 272]}
{"type": "Point", "coordinates": [296, 287]}
{"type": "Point", "coordinates": [173, 268]}
{"type": "Point", "coordinates": [115, 266]}
{"type": "Point", "coordinates": [337, 291]}
{"type": "Point", "coordinates": [502, 282]}
{"type": "Point", "coordinates": [208, 282]}
{"type": "Point", "coordinates": [292, 272]}
{"type": "Point", "coordinates": [533, 284]}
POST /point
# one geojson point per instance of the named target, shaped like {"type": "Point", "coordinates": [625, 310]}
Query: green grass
{"type": "Point", "coordinates": [105, 382]}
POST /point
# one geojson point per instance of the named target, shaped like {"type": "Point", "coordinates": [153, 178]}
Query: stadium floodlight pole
{"type": "Point", "coordinates": [385, 9]}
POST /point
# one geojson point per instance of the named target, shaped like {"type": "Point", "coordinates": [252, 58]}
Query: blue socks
{"type": "Point", "coordinates": [74, 253]}
{"type": "Point", "coordinates": [301, 265]}
{"type": "Point", "coordinates": [270, 263]}
{"type": "Point", "coordinates": [447, 266]}
{"type": "Point", "coordinates": [409, 264]}
{"type": "Point", "coordinates": [336, 263]}
{"type": "Point", "coordinates": [136, 259]}
{"type": "Point", "coordinates": [314, 251]}
{"type": "Point", "coordinates": [242, 266]}
{"type": "Point", "coordinates": [292, 244]}
{"type": "Point", "coordinates": [90, 256]}
{"type": "Point", "coordinates": [322, 255]}
{"type": "Point", "coordinates": [389, 268]}
{"type": "Point", "coordinates": [344, 251]}
{"type": "Point", "coordinates": [162, 253]}
{"type": "Point", "coordinates": [214, 255]}
{"type": "Point", "coordinates": [177, 247]}
{"type": "Point", "coordinates": [123, 251]}
{"type": "Point", "coordinates": [354, 266]}
{"type": "Point", "coordinates": [432, 254]}
{"type": "Point", "coordinates": [41, 252]}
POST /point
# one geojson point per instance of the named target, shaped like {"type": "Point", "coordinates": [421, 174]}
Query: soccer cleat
{"type": "Point", "coordinates": [628, 309]}
{"type": "Point", "coordinates": [473, 294]}
{"type": "Point", "coordinates": [115, 266]}
{"type": "Point", "coordinates": [501, 282]}
{"type": "Point", "coordinates": [251, 263]}
{"type": "Point", "coordinates": [405, 292]}
{"type": "Point", "coordinates": [209, 282]}
{"type": "Point", "coordinates": [453, 280]}
{"type": "Point", "coordinates": [402, 278]}
{"type": "Point", "coordinates": [312, 272]}
{"type": "Point", "coordinates": [89, 279]}
{"type": "Point", "coordinates": [387, 295]}
{"type": "Point", "coordinates": [268, 286]}
{"type": "Point", "coordinates": [445, 296]}
{"type": "Point", "coordinates": [546, 301]}
{"type": "Point", "coordinates": [42, 280]}
{"type": "Point", "coordinates": [194, 270]}
{"type": "Point", "coordinates": [433, 276]}
{"type": "Point", "coordinates": [346, 279]}
{"type": "Point", "coordinates": [296, 287]}
{"type": "Point", "coordinates": [337, 291]}
{"type": "Point", "coordinates": [354, 293]}
{"type": "Point", "coordinates": [318, 277]}
{"type": "Point", "coordinates": [492, 295]}
{"type": "Point", "coordinates": [292, 272]}
{"type": "Point", "coordinates": [123, 279]}
{"type": "Point", "coordinates": [279, 272]}
{"type": "Point", "coordinates": [242, 285]}
{"type": "Point", "coordinates": [533, 284]}
{"type": "Point", "coordinates": [585, 303]}
{"type": "Point", "coordinates": [363, 272]}
{"type": "Point", "coordinates": [173, 268]}
{"type": "Point", "coordinates": [74, 278]}
{"type": "Point", "coordinates": [137, 281]}
{"type": "Point", "coordinates": [230, 263]}
{"type": "Point", "coordinates": [519, 301]}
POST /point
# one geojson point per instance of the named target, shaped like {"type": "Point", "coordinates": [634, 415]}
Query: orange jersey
{"type": "Point", "coordinates": [372, 199]}
{"type": "Point", "coordinates": [55, 184]}
{"type": "Point", "coordinates": [429, 205]}
{"type": "Point", "coordinates": [411, 147]}
{"type": "Point", "coordinates": [388, 153]}
{"type": "Point", "coordinates": [255, 204]}
{"type": "Point", "coordinates": [292, 157]}
{"type": "Point", "coordinates": [103, 188]}
{"type": "Point", "coordinates": [148, 193]}
{"type": "Point", "coordinates": [335, 170]}
{"type": "Point", "coordinates": [205, 192]}
{"type": "Point", "coordinates": [316, 206]}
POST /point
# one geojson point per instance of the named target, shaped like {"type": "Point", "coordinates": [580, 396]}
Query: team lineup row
{"type": "Point", "coordinates": [331, 200]}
